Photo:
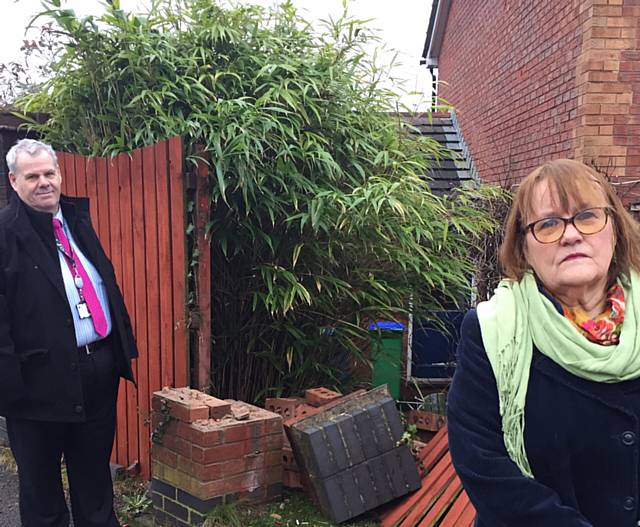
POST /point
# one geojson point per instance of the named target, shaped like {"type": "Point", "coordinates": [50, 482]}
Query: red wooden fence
{"type": "Point", "coordinates": [137, 208]}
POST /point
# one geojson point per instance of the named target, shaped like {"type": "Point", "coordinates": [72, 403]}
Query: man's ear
{"type": "Point", "coordinates": [12, 180]}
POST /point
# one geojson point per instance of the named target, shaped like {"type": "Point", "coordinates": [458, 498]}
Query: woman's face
{"type": "Point", "coordinates": [576, 264]}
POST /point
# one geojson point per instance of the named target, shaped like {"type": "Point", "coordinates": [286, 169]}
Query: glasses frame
{"type": "Point", "coordinates": [607, 211]}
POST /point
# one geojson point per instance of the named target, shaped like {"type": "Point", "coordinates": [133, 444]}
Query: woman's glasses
{"type": "Point", "coordinates": [588, 221]}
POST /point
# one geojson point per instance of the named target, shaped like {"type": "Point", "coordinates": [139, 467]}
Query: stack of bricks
{"type": "Point", "coordinates": [207, 452]}
{"type": "Point", "coordinates": [297, 407]}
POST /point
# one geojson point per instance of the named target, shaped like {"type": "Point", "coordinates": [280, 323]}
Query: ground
{"type": "Point", "coordinates": [9, 514]}
{"type": "Point", "coordinates": [132, 506]}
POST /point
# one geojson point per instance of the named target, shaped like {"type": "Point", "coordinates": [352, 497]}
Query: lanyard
{"type": "Point", "coordinates": [71, 263]}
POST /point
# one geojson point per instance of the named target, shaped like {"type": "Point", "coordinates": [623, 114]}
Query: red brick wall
{"type": "Point", "coordinates": [608, 127]}
{"type": "Point", "coordinates": [538, 80]}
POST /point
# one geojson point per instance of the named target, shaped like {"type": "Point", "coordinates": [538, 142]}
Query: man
{"type": "Point", "coordinates": [65, 339]}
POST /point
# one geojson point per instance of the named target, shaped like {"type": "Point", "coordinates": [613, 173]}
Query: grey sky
{"type": "Point", "coordinates": [402, 25]}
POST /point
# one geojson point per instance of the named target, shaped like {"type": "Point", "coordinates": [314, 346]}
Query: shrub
{"type": "Point", "coordinates": [322, 217]}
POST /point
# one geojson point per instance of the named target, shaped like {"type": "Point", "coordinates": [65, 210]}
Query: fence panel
{"type": "Point", "coordinates": [137, 208]}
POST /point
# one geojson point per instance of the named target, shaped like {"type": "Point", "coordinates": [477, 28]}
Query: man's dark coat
{"type": "Point", "coordinates": [581, 437]}
{"type": "Point", "coordinates": [39, 376]}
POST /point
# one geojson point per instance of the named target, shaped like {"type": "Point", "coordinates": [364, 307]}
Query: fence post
{"type": "Point", "coordinates": [202, 366]}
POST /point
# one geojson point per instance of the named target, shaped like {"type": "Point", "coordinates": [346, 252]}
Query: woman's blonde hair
{"type": "Point", "coordinates": [570, 182]}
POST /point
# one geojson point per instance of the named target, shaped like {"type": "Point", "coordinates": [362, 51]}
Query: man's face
{"type": "Point", "coordinates": [37, 181]}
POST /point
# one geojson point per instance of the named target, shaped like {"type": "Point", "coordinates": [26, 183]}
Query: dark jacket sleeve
{"type": "Point", "coordinates": [12, 386]}
{"type": "Point", "coordinates": [502, 496]}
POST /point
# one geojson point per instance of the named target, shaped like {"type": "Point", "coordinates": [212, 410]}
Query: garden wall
{"type": "Point", "coordinates": [537, 80]}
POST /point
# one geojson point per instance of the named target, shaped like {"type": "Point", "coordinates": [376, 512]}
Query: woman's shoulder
{"type": "Point", "coordinates": [470, 326]}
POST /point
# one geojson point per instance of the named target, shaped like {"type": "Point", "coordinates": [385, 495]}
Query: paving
{"type": "Point", "coordinates": [9, 513]}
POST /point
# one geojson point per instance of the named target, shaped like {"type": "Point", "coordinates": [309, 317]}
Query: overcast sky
{"type": "Point", "coordinates": [402, 25]}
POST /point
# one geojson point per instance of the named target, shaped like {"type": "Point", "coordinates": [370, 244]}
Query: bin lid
{"type": "Point", "coordinates": [386, 325]}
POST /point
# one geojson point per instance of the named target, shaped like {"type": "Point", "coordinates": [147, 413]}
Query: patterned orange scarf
{"type": "Point", "coordinates": [605, 328]}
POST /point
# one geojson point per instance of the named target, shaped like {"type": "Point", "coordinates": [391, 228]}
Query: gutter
{"type": "Point", "coordinates": [435, 33]}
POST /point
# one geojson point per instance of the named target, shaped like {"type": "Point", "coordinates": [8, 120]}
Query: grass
{"type": "Point", "coordinates": [6, 460]}
{"type": "Point", "coordinates": [295, 509]}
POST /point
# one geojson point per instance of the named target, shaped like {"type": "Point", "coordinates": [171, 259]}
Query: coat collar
{"type": "Point", "coordinates": [34, 229]}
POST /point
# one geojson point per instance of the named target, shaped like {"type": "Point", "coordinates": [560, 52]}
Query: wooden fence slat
{"type": "Point", "coordinates": [468, 517]}
{"type": "Point", "coordinates": [438, 446]}
{"type": "Point", "coordinates": [202, 365]}
{"type": "Point", "coordinates": [81, 175]}
{"type": "Point", "coordinates": [442, 505]}
{"type": "Point", "coordinates": [126, 401]}
{"type": "Point", "coordinates": [103, 206]}
{"type": "Point", "coordinates": [457, 509]}
{"type": "Point", "coordinates": [114, 247]}
{"type": "Point", "coordinates": [92, 189]}
{"type": "Point", "coordinates": [70, 175]}
{"type": "Point", "coordinates": [178, 262]}
{"type": "Point", "coordinates": [140, 281]}
{"type": "Point", "coordinates": [430, 492]}
{"type": "Point", "coordinates": [153, 358]}
{"type": "Point", "coordinates": [62, 166]}
{"type": "Point", "coordinates": [164, 259]}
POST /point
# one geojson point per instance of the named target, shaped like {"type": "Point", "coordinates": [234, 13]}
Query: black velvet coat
{"type": "Point", "coordinates": [39, 376]}
{"type": "Point", "coordinates": [581, 438]}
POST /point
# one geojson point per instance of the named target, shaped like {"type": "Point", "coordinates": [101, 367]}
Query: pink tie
{"type": "Point", "coordinates": [87, 291]}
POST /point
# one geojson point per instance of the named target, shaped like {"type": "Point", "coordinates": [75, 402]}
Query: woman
{"type": "Point", "coordinates": [545, 404]}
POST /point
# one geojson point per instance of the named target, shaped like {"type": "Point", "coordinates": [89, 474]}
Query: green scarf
{"type": "Point", "coordinates": [518, 317]}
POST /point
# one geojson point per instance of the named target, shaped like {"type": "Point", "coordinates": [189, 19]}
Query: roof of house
{"type": "Point", "coordinates": [435, 32]}
{"type": "Point", "coordinates": [454, 170]}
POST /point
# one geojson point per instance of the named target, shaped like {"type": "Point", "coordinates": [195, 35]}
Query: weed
{"type": "Point", "coordinates": [225, 515]}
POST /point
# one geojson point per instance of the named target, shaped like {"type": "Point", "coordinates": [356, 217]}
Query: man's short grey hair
{"type": "Point", "coordinates": [31, 147]}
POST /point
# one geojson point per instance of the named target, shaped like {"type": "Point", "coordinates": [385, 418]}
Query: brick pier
{"type": "Point", "coordinates": [207, 451]}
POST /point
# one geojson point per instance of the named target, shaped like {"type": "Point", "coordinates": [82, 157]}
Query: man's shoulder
{"type": "Point", "coordinates": [7, 214]}
{"type": "Point", "coordinates": [73, 206]}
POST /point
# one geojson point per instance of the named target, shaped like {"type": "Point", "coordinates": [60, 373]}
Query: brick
{"type": "Point", "coordinates": [196, 518]}
{"type": "Point", "coordinates": [284, 406]}
{"type": "Point", "coordinates": [291, 479]}
{"type": "Point", "coordinates": [217, 407]}
{"type": "Point", "coordinates": [164, 455]}
{"type": "Point", "coordinates": [177, 444]}
{"type": "Point", "coordinates": [242, 431]}
{"type": "Point", "coordinates": [320, 396]}
{"type": "Point", "coordinates": [176, 510]}
{"type": "Point", "coordinates": [210, 472]}
{"type": "Point", "coordinates": [160, 517]}
{"type": "Point", "coordinates": [205, 434]}
{"type": "Point", "coordinates": [273, 442]}
{"type": "Point", "coordinates": [273, 425]}
{"type": "Point", "coordinates": [613, 109]}
{"type": "Point", "coordinates": [274, 457]}
{"type": "Point", "coordinates": [193, 502]}
{"type": "Point", "coordinates": [289, 460]}
{"type": "Point", "coordinates": [606, 32]}
{"type": "Point", "coordinates": [157, 500]}
{"type": "Point", "coordinates": [183, 405]}
{"type": "Point", "coordinates": [185, 465]}
{"type": "Point", "coordinates": [221, 452]}
{"type": "Point", "coordinates": [273, 475]}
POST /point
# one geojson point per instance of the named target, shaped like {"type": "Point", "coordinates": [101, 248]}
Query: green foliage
{"type": "Point", "coordinates": [295, 509]}
{"type": "Point", "coordinates": [135, 504]}
{"type": "Point", "coordinates": [224, 515]}
{"type": "Point", "coordinates": [321, 215]}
